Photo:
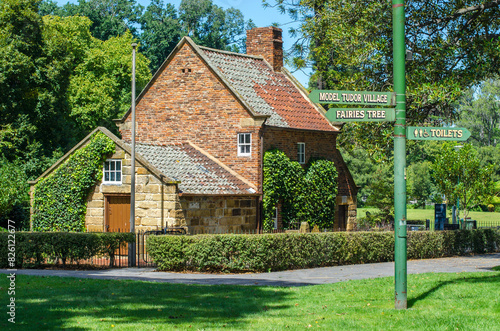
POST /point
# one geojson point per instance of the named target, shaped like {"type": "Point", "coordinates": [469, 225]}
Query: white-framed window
{"type": "Point", "coordinates": [301, 153]}
{"type": "Point", "coordinates": [275, 218]}
{"type": "Point", "coordinates": [112, 172]}
{"type": "Point", "coordinates": [244, 144]}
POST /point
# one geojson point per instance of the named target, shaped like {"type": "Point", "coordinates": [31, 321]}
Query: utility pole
{"type": "Point", "coordinates": [400, 250]}
{"type": "Point", "coordinates": [132, 262]}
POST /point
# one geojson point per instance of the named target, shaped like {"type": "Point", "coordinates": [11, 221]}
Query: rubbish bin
{"type": "Point", "coordinates": [470, 224]}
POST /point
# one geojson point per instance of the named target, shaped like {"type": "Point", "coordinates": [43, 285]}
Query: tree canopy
{"type": "Point", "coordinates": [458, 175]}
{"type": "Point", "coordinates": [454, 44]}
{"type": "Point", "coordinates": [479, 111]}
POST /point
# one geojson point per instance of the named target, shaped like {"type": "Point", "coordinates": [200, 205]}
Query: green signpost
{"type": "Point", "coordinates": [352, 97]}
{"type": "Point", "coordinates": [401, 133]}
{"type": "Point", "coordinates": [361, 114]}
{"type": "Point", "coordinates": [431, 133]}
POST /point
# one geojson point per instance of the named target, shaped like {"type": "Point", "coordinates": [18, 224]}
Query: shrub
{"type": "Point", "coordinates": [273, 252]}
{"type": "Point", "coordinates": [305, 195]}
{"type": "Point", "coordinates": [35, 248]}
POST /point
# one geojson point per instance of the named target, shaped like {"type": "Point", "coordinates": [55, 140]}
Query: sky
{"type": "Point", "coordinates": [251, 9]}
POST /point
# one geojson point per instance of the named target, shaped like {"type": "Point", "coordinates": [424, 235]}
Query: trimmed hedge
{"type": "Point", "coordinates": [35, 248]}
{"type": "Point", "coordinates": [273, 252]}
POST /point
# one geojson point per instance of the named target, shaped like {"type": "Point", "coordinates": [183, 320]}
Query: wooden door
{"type": "Point", "coordinates": [118, 213]}
{"type": "Point", "coordinates": [342, 217]}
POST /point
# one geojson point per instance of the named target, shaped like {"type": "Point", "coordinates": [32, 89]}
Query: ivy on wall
{"type": "Point", "coordinates": [306, 194]}
{"type": "Point", "coordinates": [60, 199]}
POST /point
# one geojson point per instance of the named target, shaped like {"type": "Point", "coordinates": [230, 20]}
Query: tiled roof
{"type": "Point", "coordinates": [197, 173]}
{"type": "Point", "coordinates": [267, 92]}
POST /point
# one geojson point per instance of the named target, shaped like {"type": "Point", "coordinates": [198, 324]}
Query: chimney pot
{"type": "Point", "coordinates": [268, 43]}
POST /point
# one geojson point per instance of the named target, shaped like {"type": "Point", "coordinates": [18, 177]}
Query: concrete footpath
{"type": "Point", "coordinates": [282, 278]}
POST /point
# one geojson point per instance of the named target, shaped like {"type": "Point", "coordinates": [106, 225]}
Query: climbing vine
{"type": "Point", "coordinates": [305, 195]}
{"type": "Point", "coordinates": [60, 199]}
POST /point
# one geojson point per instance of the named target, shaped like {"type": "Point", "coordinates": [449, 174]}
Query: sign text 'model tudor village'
{"type": "Point", "coordinates": [353, 97]}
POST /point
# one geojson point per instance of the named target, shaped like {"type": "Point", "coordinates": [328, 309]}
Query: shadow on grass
{"type": "Point", "coordinates": [493, 279]}
{"type": "Point", "coordinates": [50, 303]}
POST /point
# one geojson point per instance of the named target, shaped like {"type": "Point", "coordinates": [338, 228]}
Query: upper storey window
{"type": "Point", "coordinates": [301, 153]}
{"type": "Point", "coordinates": [244, 144]}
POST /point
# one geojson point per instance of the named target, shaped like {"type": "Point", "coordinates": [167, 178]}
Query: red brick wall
{"type": "Point", "coordinates": [188, 102]}
{"type": "Point", "coordinates": [317, 144]}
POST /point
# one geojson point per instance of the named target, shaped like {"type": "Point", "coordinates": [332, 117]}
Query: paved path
{"type": "Point", "coordinates": [283, 278]}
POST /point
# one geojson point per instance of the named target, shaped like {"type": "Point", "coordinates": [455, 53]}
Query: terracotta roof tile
{"type": "Point", "coordinates": [268, 92]}
{"type": "Point", "coordinates": [197, 173]}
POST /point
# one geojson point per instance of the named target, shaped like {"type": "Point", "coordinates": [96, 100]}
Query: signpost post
{"type": "Point", "coordinates": [400, 250]}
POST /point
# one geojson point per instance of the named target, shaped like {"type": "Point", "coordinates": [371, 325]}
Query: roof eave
{"type": "Point", "coordinates": [305, 93]}
{"type": "Point", "coordinates": [118, 142]}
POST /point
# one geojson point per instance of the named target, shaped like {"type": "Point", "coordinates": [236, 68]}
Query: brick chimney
{"type": "Point", "coordinates": [266, 42]}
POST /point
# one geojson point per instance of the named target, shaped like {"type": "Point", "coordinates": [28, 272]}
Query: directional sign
{"type": "Point", "coordinates": [361, 114]}
{"type": "Point", "coordinates": [429, 133]}
{"type": "Point", "coordinates": [352, 97]}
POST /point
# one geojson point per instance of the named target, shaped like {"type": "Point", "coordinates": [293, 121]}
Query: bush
{"type": "Point", "coordinates": [273, 252]}
{"type": "Point", "coordinates": [35, 248]}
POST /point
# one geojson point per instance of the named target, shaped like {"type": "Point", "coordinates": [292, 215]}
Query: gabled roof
{"type": "Point", "coordinates": [196, 172]}
{"type": "Point", "coordinates": [268, 92]}
{"type": "Point", "coordinates": [118, 142]}
{"type": "Point", "coordinates": [265, 93]}
{"type": "Point", "coordinates": [192, 169]}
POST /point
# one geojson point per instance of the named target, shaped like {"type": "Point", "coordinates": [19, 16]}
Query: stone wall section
{"type": "Point", "coordinates": [157, 203]}
{"type": "Point", "coordinates": [214, 214]}
{"type": "Point", "coordinates": [187, 102]}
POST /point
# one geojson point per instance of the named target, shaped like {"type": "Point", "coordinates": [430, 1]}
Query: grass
{"type": "Point", "coordinates": [423, 214]}
{"type": "Point", "coordinates": [462, 301]}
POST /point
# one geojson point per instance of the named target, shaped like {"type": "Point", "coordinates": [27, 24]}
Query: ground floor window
{"type": "Point", "coordinates": [112, 172]}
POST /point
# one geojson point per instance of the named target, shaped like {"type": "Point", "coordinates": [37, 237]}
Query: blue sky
{"type": "Point", "coordinates": [251, 9]}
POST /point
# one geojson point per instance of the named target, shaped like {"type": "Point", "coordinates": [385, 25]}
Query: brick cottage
{"type": "Point", "coordinates": [203, 123]}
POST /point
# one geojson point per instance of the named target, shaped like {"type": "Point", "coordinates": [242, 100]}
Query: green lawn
{"type": "Point", "coordinates": [462, 301]}
{"type": "Point", "coordinates": [423, 214]}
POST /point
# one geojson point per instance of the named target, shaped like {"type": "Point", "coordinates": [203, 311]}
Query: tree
{"type": "Point", "coordinates": [100, 89]}
{"type": "Point", "coordinates": [14, 198]}
{"type": "Point", "coordinates": [454, 45]}
{"type": "Point", "coordinates": [419, 182]}
{"type": "Point", "coordinates": [211, 26]}
{"type": "Point", "coordinates": [362, 168]}
{"type": "Point", "coordinates": [110, 18]}
{"type": "Point", "coordinates": [161, 31]}
{"type": "Point", "coordinates": [382, 187]}
{"type": "Point", "coordinates": [480, 112]}
{"type": "Point", "coordinates": [458, 175]}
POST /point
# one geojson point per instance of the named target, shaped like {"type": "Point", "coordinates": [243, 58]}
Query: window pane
{"type": "Point", "coordinates": [112, 165]}
{"type": "Point", "coordinates": [241, 138]}
{"type": "Point", "coordinates": [112, 177]}
{"type": "Point", "coordinates": [106, 176]}
{"type": "Point", "coordinates": [247, 138]}
{"type": "Point", "coordinates": [247, 149]}
{"type": "Point", "coordinates": [106, 165]}
{"type": "Point", "coordinates": [118, 176]}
